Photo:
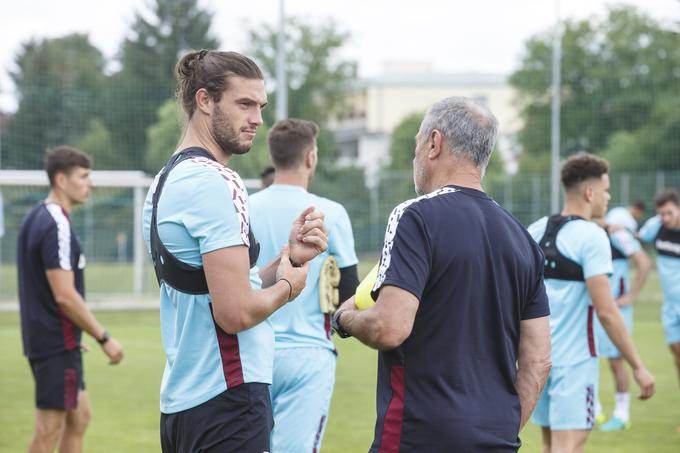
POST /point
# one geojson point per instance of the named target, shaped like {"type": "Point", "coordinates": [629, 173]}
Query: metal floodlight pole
{"type": "Point", "coordinates": [555, 115]}
{"type": "Point", "coordinates": [281, 83]}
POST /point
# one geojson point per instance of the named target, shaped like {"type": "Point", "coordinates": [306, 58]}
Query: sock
{"type": "Point", "coordinates": [598, 407]}
{"type": "Point", "coordinates": [622, 408]}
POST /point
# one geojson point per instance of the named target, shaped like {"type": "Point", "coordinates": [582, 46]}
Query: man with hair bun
{"type": "Point", "coordinates": [663, 231]}
{"type": "Point", "coordinates": [50, 267]}
{"type": "Point", "coordinates": [576, 270]}
{"type": "Point", "coordinates": [214, 300]}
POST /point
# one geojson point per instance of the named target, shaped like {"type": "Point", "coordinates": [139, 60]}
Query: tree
{"type": "Point", "coordinates": [318, 78]}
{"type": "Point", "coordinates": [403, 142]}
{"type": "Point", "coordinates": [59, 84]}
{"type": "Point", "coordinates": [163, 136]}
{"type": "Point", "coordinates": [147, 78]}
{"type": "Point", "coordinates": [614, 73]}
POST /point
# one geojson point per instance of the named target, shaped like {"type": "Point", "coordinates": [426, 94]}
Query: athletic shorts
{"type": "Point", "coordinates": [605, 346]}
{"type": "Point", "coordinates": [670, 318]}
{"type": "Point", "coordinates": [568, 399]}
{"type": "Point", "coordinates": [237, 420]}
{"type": "Point", "coordinates": [57, 380]}
{"type": "Point", "coordinates": [301, 392]}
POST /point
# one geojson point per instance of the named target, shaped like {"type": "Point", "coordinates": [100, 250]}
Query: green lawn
{"type": "Point", "coordinates": [125, 398]}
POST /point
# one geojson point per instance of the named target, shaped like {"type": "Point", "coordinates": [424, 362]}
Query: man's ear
{"type": "Point", "coordinates": [435, 144]}
{"type": "Point", "coordinates": [60, 180]}
{"type": "Point", "coordinates": [204, 102]}
{"type": "Point", "coordinates": [588, 193]}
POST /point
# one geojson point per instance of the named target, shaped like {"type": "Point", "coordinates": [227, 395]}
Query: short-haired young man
{"type": "Point", "coordinates": [576, 271]}
{"type": "Point", "coordinates": [304, 358]}
{"type": "Point", "coordinates": [50, 267]}
{"type": "Point", "coordinates": [663, 230]}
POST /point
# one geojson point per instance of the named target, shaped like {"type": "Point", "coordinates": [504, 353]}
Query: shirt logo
{"type": "Point", "coordinates": [667, 246]}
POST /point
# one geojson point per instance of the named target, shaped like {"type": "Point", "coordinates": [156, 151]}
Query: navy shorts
{"type": "Point", "coordinates": [237, 420]}
{"type": "Point", "coordinates": [57, 380]}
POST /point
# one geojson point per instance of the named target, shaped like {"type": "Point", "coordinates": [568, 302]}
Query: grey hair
{"type": "Point", "coordinates": [469, 128]}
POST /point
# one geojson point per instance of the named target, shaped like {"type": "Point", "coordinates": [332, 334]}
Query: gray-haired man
{"type": "Point", "coordinates": [461, 313]}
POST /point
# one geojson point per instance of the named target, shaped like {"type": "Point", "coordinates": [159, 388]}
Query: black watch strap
{"type": "Point", "coordinates": [335, 323]}
{"type": "Point", "coordinates": [106, 336]}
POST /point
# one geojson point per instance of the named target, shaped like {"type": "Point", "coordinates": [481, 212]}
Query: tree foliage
{"type": "Point", "coordinates": [616, 74]}
{"type": "Point", "coordinates": [59, 83]}
{"type": "Point", "coordinates": [158, 38]}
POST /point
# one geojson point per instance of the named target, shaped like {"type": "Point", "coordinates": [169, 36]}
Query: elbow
{"type": "Point", "coordinates": [231, 323]}
{"type": "Point", "coordinates": [63, 300]}
{"type": "Point", "coordinates": [390, 337]}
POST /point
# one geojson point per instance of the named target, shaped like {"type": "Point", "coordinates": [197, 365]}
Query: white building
{"type": "Point", "coordinates": [378, 104]}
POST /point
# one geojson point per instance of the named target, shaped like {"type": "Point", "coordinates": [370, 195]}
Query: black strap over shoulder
{"type": "Point", "coordinates": [181, 276]}
{"type": "Point", "coordinates": [558, 266]}
{"type": "Point", "coordinates": [667, 242]}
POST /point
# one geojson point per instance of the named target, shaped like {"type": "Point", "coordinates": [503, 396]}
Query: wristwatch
{"type": "Point", "coordinates": [106, 336]}
{"type": "Point", "coordinates": [335, 324]}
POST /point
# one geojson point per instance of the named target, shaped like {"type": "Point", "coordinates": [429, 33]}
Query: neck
{"type": "Point", "coordinates": [57, 197]}
{"type": "Point", "coordinates": [459, 174]}
{"type": "Point", "coordinates": [197, 136]}
{"type": "Point", "coordinates": [294, 177]}
{"type": "Point", "coordinates": [577, 207]}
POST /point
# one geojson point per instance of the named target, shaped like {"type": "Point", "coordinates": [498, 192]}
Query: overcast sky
{"type": "Point", "coordinates": [454, 36]}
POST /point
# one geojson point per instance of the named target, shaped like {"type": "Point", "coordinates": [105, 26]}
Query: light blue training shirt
{"type": "Point", "coordinates": [624, 242]}
{"type": "Point", "coordinates": [203, 208]}
{"type": "Point", "coordinates": [571, 311]}
{"type": "Point", "coordinates": [668, 266]}
{"type": "Point", "coordinates": [300, 323]}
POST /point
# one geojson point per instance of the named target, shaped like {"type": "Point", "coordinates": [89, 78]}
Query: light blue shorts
{"type": "Point", "coordinates": [301, 392]}
{"type": "Point", "coordinates": [670, 318]}
{"type": "Point", "coordinates": [568, 399]}
{"type": "Point", "coordinates": [605, 347]}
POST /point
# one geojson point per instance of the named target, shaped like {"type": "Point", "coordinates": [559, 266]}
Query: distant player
{"type": "Point", "coordinates": [663, 231]}
{"type": "Point", "coordinates": [304, 358]}
{"type": "Point", "coordinates": [577, 267]}
{"type": "Point", "coordinates": [50, 266]}
{"type": "Point", "coordinates": [625, 247]}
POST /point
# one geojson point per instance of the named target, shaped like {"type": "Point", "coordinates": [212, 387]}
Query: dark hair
{"type": "Point", "coordinates": [581, 167]}
{"type": "Point", "coordinates": [288, 141]}
{"type": "Point", "coordinates": [268, 170]}
{"type": "Point", "coordinates": [63, 159]}
{"type": "Point", "coordinates": [639, 205]}
{"type": "Point", "coordinates": [210, 69]}
{"type": "Point", "coordinates": [666, 196]}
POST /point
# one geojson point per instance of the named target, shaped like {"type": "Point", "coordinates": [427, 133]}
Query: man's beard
{"type": "Point", "coordinates": [225, 135]}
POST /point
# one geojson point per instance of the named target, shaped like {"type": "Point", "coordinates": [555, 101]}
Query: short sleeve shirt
{"type": "Point", "coordinates": [300, 323]}
{"type": "Point", "coordinates": [203, 208]}
{"type": "Point", "coordinates": [47, 241]}
{"type": "Point", "coordinates": [571, 311]}
{"type": "Point", "coordinates": [667, 264]}
{"type": "Point", "coordinates": [477, 274]}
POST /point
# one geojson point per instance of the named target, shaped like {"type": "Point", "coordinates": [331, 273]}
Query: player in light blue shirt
{"type": "Point", "coordinates": [214, 301]}
{"type": "Point", "coordinates": [624, 248]}
{"type": "Point", "coordinates": [304, 358]}
{"type": "Point", "coordinates": [663, 231]}
{"type": "Point", "coordinates": [576, 272]}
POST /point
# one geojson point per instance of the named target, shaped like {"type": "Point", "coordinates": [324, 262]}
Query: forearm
{"type": "Point", "coordinates": [641, 274]}
{"type": "Point", "coordinates": [75, 309]}
{"type": "Point", "coordinates": [530, 381]}
{"type": "Point", "coordinates": [366, 326]}
{"type": "Point", "coordinates": [268, 272]}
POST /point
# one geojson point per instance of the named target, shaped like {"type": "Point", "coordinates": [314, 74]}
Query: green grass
{"type": "Point", "coordinates": [125, 397]}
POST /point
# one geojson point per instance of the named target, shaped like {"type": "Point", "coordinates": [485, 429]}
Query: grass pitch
{"type": "Point", "coordinates": [125, 397]}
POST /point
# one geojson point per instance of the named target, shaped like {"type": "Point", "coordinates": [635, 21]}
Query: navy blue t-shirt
{"type": "Point", "coordinates": [46, 241]}
{"type": "Point", "coordinates": [477, 273]}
